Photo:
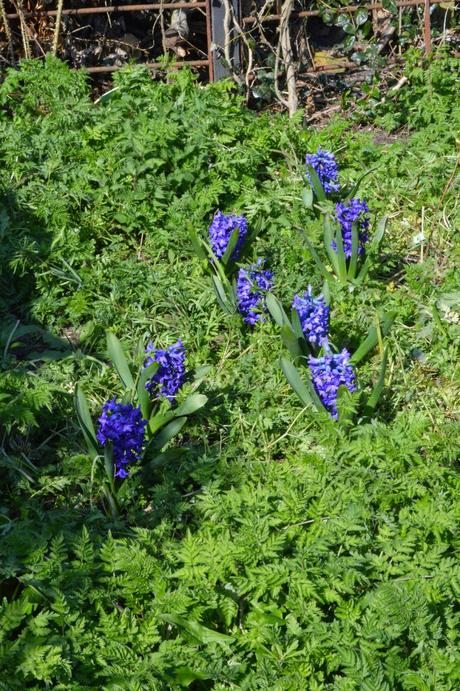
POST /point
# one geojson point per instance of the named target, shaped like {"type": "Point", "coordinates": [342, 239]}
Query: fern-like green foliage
{"type": "Point", "coordinates": [273, 552]}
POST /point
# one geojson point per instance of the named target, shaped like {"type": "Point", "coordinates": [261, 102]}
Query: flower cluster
{"type": "Point", "coordinates": [221, 229]}
{"type": "Point", "coordinates": [313, 315]}
{"type": "Point", "coordinates": [123, 427]}
{"type": "Point", "coordinates": [251, 284]}
{"type": "Point", "coordinates": [329, 372]}
{"type": "Point", "coordinates": [325, 166]}
{"type": "Point", "coordinates": [170, 374]}
{"type": "Point", "coordinates": [357, 212]}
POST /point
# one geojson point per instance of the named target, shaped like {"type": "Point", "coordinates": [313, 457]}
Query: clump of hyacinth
{"type": "Point", "coordinates": [251, 285]}
{"type": "Point", "coordinates": [170, 374]}
{"type": "Point", "coordinates": [122, 426]}
{"type": "Point", "coordinates": [325, 166]}
{"type": "Point", "coordinates": [221, 229]}
{"type": "Point", "coordinates": [313, 315]}
{"type": "Point", "coordinates": [356, 211]}
{"type": "Point", "coordinates": [328, 373]}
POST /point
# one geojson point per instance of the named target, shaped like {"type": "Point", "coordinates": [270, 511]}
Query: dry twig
{"type": "Point", "coordinates": [57, 26]}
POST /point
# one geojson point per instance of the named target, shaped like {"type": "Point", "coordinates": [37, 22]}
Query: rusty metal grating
{"type": "Point", "coordinates": [100, 28]}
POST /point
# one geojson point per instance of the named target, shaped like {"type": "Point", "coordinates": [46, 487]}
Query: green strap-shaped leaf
{"type": "Point", "coordinates": [159, 420]}
{"type": "Point", "coordinates": [307, 197]}
{"type": "Point", "coordinates": [372, 249]}
{"type": "Point", "coordinates": [304, 344]}
{"type": "Point", "coordinates": [184, 676]}
{"type": "Point", "coordinates": [276, 310]}
{"type": "Point", "coordinates": [374, 398]}
{"type": "Point", "coordinates": [324, 272]}
{"type": "Point", "coordinates": [328, 236]}
{"type": "Point", "coordinates": [297, 384]}
{"type": "Point", "coordinates": [108, 463]}
{"type": "Point", "coordinates": [341, 258]}
{"type": "Point", "coordinates": [291, 341]}
{"type": "Point", "coordinates": [364, 271]}
{"type": "Point", "coordinates": [372, 338]}
{"type": "Point", "coordinates": [232, 243]}
{"type": "Point", "coordinates": [113, 506]}
{"type": "Point", "coordinates": [143, 396]}
{"type": "Point", "coordinates": [326, 291]}
{"type": "Point", "coordinates": [191, 405]}
{"type": "Point", "coordinates": [119, 360]}
{"type": "Point", "coordinates": [85, 422]}
{"type": "Point", "coordinates": [296, 325]}
{"type": "Point", "coordinates": [316, 184]}
{"type": "Point", "coordinates": [199, 632]}
{"type": "Point", "coordinates": [168, 432]}
{"type": "Point", "coordinates": [353, 190]}
{"type": "Point", "coordinates": [197, 243]}
{"type": "Point", "coordinates": [198, 375]}
{"type": "Point", "coordinates": [438, 321]}
{"type": "Point", "coordinates": [354, 251]}
{"type": "Point", "coordinates": [160, 459]}
{"type": "Point", "coordinates": [378, 234]}
{"type": "Point", "coordinates": [225, 301]}
{"type": "Point", "coordinates": [201, 373]}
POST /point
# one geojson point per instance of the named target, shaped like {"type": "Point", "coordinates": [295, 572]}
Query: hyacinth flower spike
{"type": "Point", "coordinates": [135, 430]}
{"type": "Point", "coordinates": [252, 285]}
{"type": "Point", "coordinates": [307, 329]}
{"type": "Point", "coordinates": [321, 385]}
{"type": "Point", "coordinates": [170, 374]}
{"type": "Point", "coordinates": [227, 234]}
{"type": "Point", "coordinates": [330, 372]}
{"type": "Point", "coordinates": [122, 429]}
{"type": "Point", "coordinates": [313, 316]}
{"type": "Point", "coordinates": [228, 239]}
{"type": "Point", "coordinates": [322, 175]}
{"type": "Point", "coordinates": [346, 243]}
{"type": "Point", "coordinates": [328, 381]}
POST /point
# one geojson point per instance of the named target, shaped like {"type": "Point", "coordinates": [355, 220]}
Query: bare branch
{"type": "Point", "coordinates": [288, 55]}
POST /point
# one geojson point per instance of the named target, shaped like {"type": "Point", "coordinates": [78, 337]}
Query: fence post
{"type": "Point", "coordinates": [218, 39]}
{"type": "Point", "coordinates": [427, 21]}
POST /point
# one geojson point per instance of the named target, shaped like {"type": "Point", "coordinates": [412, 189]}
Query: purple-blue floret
{"type": "Point", "coordinates": [221, 229]}
{"type": "Point", "coordinates": [356, 211]}
{"type": "Point", "coordinates": [329, 372]}
{"type": "Point", "coordinates": [170, 374]}
{"type": "Point", "coordinates": [313, 315]}
{"type": "Point", "coordinates": [325, 166]}
{"type": "Point", "coordinates": [122, 426]}
{"type": "Point", "coordinates": [251, 286]}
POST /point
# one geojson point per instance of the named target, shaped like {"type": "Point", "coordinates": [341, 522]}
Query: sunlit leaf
{"type": "Point", "coordinates": [119, 360]}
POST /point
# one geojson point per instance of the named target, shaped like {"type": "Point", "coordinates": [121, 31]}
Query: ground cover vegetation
{"type": "Point", "coordinates": [265, 544]}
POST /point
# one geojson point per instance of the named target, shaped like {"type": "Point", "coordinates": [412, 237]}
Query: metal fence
{"type": "Point", "coordinates": [213, 17]}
